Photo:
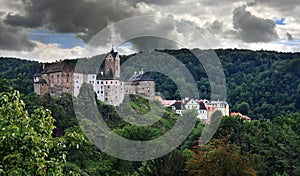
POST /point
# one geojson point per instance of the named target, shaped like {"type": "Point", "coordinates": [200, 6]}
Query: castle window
{"type": "Point", "coordinates": [97, 82]}
{"type": "Point", "coordinates": [105, 82]}
{"type": "Point", "coordinates": [116, 82]}
{"type": "Point", "coordinates": [111, 82]}
{"type": "Point", "coordinates": [101, 92]}
{"type": "Point", "coordinates": [105, 99]}
{"type": "Point", "coordinates": [101, 82]}
{"type": "Point", "coordinates": [93, 82]}
{"type": "Point", "coordinates": [98, 92]}
{"type": "Point", "coordinates": [58, 76]}
{"type": "Point", "coordinates": [108, 87]}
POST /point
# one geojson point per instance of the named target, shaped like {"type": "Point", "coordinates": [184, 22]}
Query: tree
{"type": "Point", "coordinates": [219, 157]}
{"type": "Point", "coordinates": [244, 108]}
{"type": "Point", "coordinates": [297, 99]}
{"type": "Point", "coordinates": [26, 139]}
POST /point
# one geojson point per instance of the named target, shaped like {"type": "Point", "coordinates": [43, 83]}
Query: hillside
{"type": "Point", "coordinates": [267, 82]}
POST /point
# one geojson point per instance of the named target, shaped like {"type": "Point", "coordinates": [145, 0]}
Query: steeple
{"type": "Point", "coordinates": [112, 64]}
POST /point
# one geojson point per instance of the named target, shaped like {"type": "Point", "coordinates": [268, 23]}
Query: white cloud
{"type": "Point", "coordinates": [212, 18]}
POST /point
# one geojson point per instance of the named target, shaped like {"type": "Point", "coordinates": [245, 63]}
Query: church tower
{"type": "Point", "coordinates": [112, 65]}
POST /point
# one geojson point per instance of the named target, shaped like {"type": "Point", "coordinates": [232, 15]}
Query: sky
{"type": "Point", "coordinates": [50, 30]}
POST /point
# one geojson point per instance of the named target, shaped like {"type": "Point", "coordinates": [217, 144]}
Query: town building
{"type": "Point", "coordinates": [205, 108]}
{"type": "Point", "coordinates": [240, 115]}
{"type": "Point", "coordinates": [108, 85]}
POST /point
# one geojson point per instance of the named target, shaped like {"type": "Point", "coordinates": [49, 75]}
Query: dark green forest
{"type": "Point", "coordinates": [41, 136]}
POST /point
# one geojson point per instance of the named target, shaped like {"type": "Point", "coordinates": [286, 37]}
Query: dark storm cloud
{"type": "Point", "coordinates": [151, 43]}
{"type": "Point", "coordinates": [71, 16]}
{"type": "Point", "coordinates": [13, 39]}
{"type": "Point", "coordinates": [150, 32]}
{"type": "Point", "coordinates": [285, 6]}
{"type": "Point", "coordinates": [33, 20]}
{"type": "Point", "coordinates": [216, 27]}
{"type": "Point", "coordinates": [252, 29]}
{"type": "Point", "coordinates": [289, 36]}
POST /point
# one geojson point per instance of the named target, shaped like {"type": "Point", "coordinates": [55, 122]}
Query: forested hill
{"type": "Point", "coordinates": [260, 84]}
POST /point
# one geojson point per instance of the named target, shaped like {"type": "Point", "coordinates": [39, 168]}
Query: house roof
{"type": "Point", "coordinates": [238, 114]}
{"type": "Point", "coordinates": [178, 105]}
{"type": "Point", "coordinates": [139, 77]}
{"type": "Point", "coordinates": [58, 67]}
{"type": "Point", "coordinates": [113, 53]}
{"type": "Point", "coordinates": [41, 81]}
{"type": "Point", "coordinates": [202, 106]}
{"type": "Point", "coordinates": [167, 102]}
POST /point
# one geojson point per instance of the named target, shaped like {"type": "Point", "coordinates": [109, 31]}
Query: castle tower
{"type": "Point", "coordinates": [112, 65]}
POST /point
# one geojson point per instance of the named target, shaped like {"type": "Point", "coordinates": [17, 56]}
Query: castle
{"type": "Point", "coordinates": [60, 77]}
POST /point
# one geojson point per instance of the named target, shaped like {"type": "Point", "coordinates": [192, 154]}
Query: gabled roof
{"type": "Point", "coordinates": [43, 81]}
{"type": "Point", "coordinates": [139, 77]}
{"type": "Point", "coordinates": [178, 105]}
{"type": "Point", "coordinates": [202, 106]}
{"type": "Point", "coordinates": [238, 114]}
{"type": "Point", "coordinates": [113, 53]}
{"type": "Point", "coordinates": [58, 67]}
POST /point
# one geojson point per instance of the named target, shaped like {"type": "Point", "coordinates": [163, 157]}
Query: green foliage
{"type": "Point", "coordinates": [219, 157]}
{"type": "Point", "coordinates": [244, 108]}
{"type": "Point", "coordinates": [26, 139]}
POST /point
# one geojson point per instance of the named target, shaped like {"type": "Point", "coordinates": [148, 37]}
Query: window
{"type": "Point", "coordinates": [101, 82]}
{"type": "Point", "coordinates": [97, 82]}
{"type": "Point", "coordinates": [111, 82]}
{"type": "Point", "coordinates": [98, 92]}
{"type": "Point", "coordinates": [105, 99]}
{"type": "Point", "coordinates": [108, 87]}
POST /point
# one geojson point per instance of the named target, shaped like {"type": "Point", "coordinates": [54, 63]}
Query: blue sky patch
{"type": "Point", "coordinates": [65, 41]}
{"type": "Point", "coordinates": [279, 21]}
